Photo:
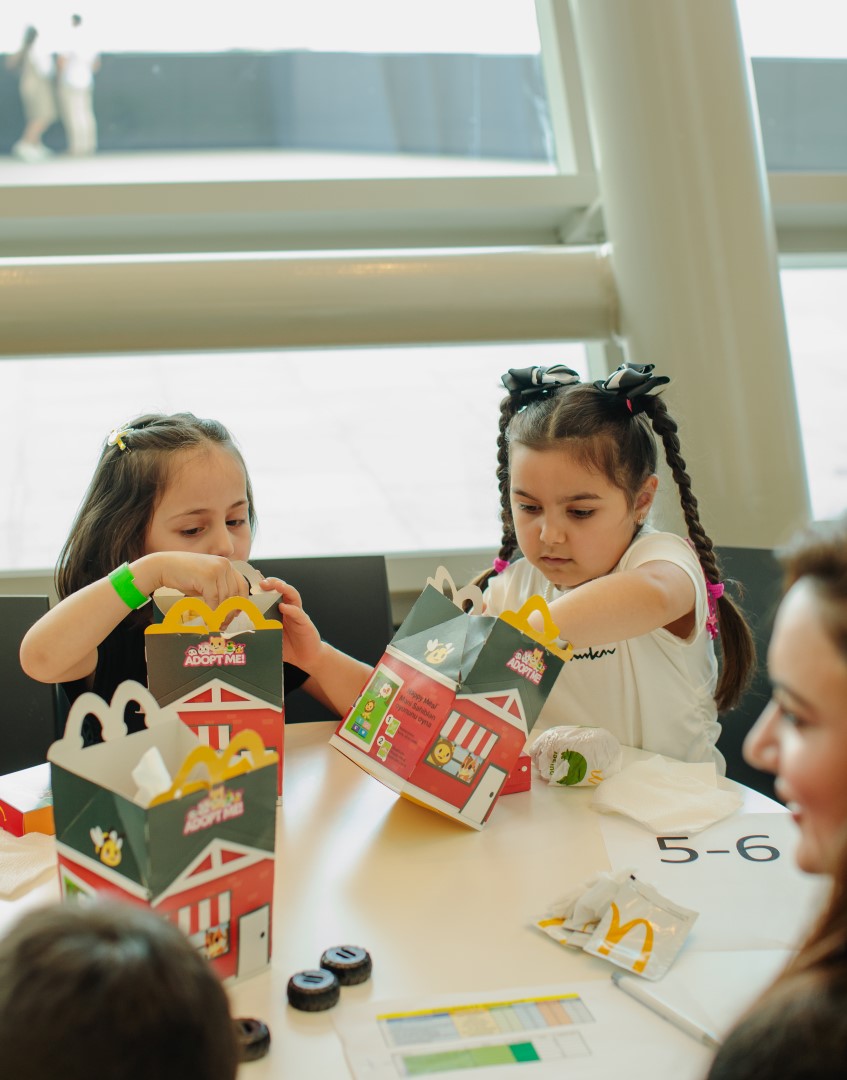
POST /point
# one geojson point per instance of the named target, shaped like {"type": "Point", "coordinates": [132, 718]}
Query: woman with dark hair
{"type": "Point", "coordinates": [798, 1028]}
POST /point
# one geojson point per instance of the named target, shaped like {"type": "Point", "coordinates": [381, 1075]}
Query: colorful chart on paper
{"type": "Point", "coordinates": [514, 1032]}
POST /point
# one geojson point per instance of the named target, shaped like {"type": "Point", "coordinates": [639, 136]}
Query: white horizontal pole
{"type": "Point", "coordinates": [114, 304]}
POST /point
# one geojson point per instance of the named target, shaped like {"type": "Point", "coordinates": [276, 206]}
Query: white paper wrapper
{"type": "Point", "coordinates": [641, 930]}
{"type": "Point", "coordinates": [619, 918]}
{"type": "Point", "coordinates": [576, 756]}
{"type": "Point", "coordinates": [152, 776]}
{"type": "Point", "coordinates": [574, 917]}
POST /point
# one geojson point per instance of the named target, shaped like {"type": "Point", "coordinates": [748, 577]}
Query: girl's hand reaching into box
{"type": "Point", "coordinates": [335, 679]}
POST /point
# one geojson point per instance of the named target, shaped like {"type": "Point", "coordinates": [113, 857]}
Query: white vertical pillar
{"type": "Point", "coordinates": [685, 199]}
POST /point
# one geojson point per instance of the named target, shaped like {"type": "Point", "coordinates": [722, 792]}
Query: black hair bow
{"type": "Point", "coordinates": [529, 384]}
{"type": "Point", "coordinates": [631, 382]}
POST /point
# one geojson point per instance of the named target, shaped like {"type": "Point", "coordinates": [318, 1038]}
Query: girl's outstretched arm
{"type": "Point", "coordinates": [335, 679]}
{"type": "Point", "coordinates": [62, 645]}
{"type": "Point", "coordinates": [626, 605]}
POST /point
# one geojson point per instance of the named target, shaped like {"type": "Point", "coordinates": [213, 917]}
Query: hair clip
{"type": "Point", "coordinates": [500, 565]}
{"type": "Point", "coordinates": [117, 437]}
{"type": "Point", "coordinates": [631, 382]}
{"type": "Point", "coordinates": [713, 594]}
{"type": "Point", "coordinates": [529, 384]}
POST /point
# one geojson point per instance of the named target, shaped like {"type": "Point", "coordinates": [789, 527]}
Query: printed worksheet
{"type": "Point", "coordinates": [590, 1030]}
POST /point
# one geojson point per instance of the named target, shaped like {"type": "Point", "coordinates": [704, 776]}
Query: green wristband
{"type": "Point", "coordinates": [124, 585]}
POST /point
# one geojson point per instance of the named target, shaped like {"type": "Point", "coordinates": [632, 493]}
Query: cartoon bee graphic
{"type": "Point", "coordinates": [107, 845]}
{"type": "Point", "coordinates": [437, 651]}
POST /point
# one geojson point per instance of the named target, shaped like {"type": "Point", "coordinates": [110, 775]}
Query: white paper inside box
{"type": "Point", "coordinates": [110, 764]}
{"type": "Point", "coordinates": [201, 853]}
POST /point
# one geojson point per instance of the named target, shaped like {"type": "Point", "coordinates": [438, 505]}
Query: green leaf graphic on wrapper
{"type": "Point", "coordinates": [577, 768]}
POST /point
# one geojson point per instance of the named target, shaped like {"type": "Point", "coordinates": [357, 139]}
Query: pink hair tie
{"type": "Point", "coordinates": [500, 565]}
{"type": "Point", "coordinates": [714, 593]}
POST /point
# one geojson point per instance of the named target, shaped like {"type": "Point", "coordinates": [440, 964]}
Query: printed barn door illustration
{"type": "Point", "coordinates": [486, 792]}
{"type": "Point", "coordinates": [254, 941]}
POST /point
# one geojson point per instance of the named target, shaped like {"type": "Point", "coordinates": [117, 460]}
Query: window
{"type": "Point", "coordinates": [350, 451]}
{"type": "Point", "coordinates": [799, 57]}
{"type": "Point", "coordinates": [321, 89]}
{"type": "Point", "coordinates": [816, 314]}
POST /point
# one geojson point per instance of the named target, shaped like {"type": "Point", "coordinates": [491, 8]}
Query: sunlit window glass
{"type": "Point", "coordinates": [816, 314]}
{"type": "Point", "coordinates": [349, 451]}
{"type": "Point", "coordinates": [799, 61]}
{"type": "Point", "coordinates": [330, 88]}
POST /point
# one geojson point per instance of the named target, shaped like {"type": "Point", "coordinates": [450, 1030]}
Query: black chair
{"type": "Point", "coordinates": [29, 717]}
{"type": "Point", "coordinates": [347, 598]}
{"type": "Point", "coordinates": [760, 576]}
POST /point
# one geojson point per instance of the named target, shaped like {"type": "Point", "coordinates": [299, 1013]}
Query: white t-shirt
{"type": "Point", "coordinates": [655, 691]}
{"type": "Point", "coordinates": [80, 59]}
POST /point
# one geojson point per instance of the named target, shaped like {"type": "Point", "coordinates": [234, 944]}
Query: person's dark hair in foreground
{"type": "Point", "coordinates": [798, 1027]}
{"type": "Point", "coordinates": [113, 992]}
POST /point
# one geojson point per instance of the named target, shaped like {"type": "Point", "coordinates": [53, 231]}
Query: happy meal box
{"type": "Point", "coordinates": [446, 713]}
{"type": "Point", "coordinates": [220, 670]}
{"type": "Point", "coordinates": [198, 847]}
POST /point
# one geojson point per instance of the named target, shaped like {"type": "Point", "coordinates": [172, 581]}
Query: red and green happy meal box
{"type": "Point", "coordinates": [447, 711]}
{"type": "Point", "coordinates": [201, 853]}
{"type": "Point", "coordinates": [220, 670]}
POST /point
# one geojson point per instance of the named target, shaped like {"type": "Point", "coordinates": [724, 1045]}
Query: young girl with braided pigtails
{"type": "Point", "coordinates": [577, 477]}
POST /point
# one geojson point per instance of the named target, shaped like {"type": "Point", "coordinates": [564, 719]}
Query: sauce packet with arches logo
{"type": "Point", "coordinates": [615, 916]}
{"type": "Point", "coordinates": [641, 930]}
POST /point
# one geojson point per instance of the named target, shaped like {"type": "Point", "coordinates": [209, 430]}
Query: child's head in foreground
{"type": "Point", "coordinates": [109, 991]}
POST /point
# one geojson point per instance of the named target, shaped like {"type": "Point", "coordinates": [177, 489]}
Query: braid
{"type": "Point", "coordinates": [508, 539]}
{"type": "Point", "coordinates": [738, 648]}
{"type": "Point", "coordinates": [666, 428]}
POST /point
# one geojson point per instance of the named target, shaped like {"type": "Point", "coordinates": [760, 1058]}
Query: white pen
{"type": "Point", "coordinates": [635, 989]}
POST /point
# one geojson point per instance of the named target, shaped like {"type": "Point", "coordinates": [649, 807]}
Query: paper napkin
{"type": "Point", "coordinates": [667, 796]}
{"type": "Point", "coordinates": [23, 860]}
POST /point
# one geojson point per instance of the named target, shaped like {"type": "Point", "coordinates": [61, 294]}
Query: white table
{"type": "Point", "coordinates": [358, 865]}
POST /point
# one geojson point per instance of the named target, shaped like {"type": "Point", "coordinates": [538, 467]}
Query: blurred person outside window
{"type": "Point", "coordinates": [77, 63]}
{"type": "Point", "coordinates": [37, 91]}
